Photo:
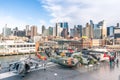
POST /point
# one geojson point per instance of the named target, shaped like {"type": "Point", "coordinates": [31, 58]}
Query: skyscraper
{"type": "Point", "coordinates": [43, 29]}
{"type": "Point", "coordinates": [65, 26]}
{"type": "Point", "coordinates": [72, 32]}
{"type": "Point", "coordinates": [65, 29]}
{"type": "Point", "coordinates": [27, 31]}
{"type": "Point", "coordinates": [117, 32]}
{"type": "Point", "coordinates": [54, 31]}
{"type": "Point", "coordinates": [91, 23]}
{"type": "Point", "coordinates": [104, 29]}
{"type": "Point", "coordinates": [33, 31]}
{"type": "Point", "coordinates": [97, 31]}
{"type": "Point", "coordinates": [58, 29]}
{"type": "Point", "coordinates": [64, 33]}
{"type": "Point", "coordinates": [50, 30]}
{"type": "Point", "coordinates": [61, 29]}
{"type": "Point", "coordinates": [46, 32]}
{"type": "Point", "coordinates": [6, 31]}
{"type": "Point", "coordinates": [84, 31]}
{"type": "Point", "coordinates": [89, 30]}
{"type": "Point", "coordinates": [110, 31]}
{"type": "Point", "coordinates": [21, 33]}
{"type": "Point", "coordinates": [76, 31]}
{"type": "Point", "coordinates": [117, 25]}
{"type": "Point", "coordinates": [15, 31]}
{"type": "Point", "coordinates": [79, 28]}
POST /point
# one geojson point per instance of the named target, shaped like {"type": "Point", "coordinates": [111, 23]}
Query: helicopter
{"type": "Point", "coordinates": [27, 63]}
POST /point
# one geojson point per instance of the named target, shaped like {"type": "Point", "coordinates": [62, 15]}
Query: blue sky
{"type": "Point", "coordinates": [38, 12]}
{"type": "Point", "coordinates": [22, 12]}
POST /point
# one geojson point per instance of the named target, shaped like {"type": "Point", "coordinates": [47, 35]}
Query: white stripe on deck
{"type": "Point", "coordinates": [6, 75]}
{"type": "Point", "coordinates": [42, 67]}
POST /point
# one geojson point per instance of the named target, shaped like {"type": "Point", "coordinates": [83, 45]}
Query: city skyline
{"type": "Point", "coordinates": [18, 13]}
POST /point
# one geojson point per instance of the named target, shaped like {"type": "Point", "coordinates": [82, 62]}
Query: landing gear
{"type": "Point", "coordinates": [44, 65]}
{"type": "Point", "coordinates": [78, 64]}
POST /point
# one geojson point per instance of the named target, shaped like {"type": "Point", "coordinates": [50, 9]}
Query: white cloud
{"type": "Point", "coordinates": [41, 22]}
{"type": "Point", "coordinates": [81, 11]}
{"type": "Point", "coordinates": [11, 22]}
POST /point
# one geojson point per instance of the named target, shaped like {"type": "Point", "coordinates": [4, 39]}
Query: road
{"type": "Point", "coordinates": [104, 71]}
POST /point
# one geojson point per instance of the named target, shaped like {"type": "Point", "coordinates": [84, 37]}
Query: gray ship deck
{"type": "Point", "coordinates": [102, 72]}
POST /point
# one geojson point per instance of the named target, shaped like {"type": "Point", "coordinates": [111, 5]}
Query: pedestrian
{"type": "Point", "coordinates": [110, 60]}
{"type": "Point", "coordinates": [47, 52]}
{"type": "Point", "coordinates": [115, 54]}
{"type": "Point", "coordinates": [117, 61]}
{"type": "Point", "coordinates": [0, 66]}
{"type": "Point", "coordinates": [57, 51]}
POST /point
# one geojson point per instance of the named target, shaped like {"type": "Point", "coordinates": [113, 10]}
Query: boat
{"type": "Point", "coordinates": [8, 47]}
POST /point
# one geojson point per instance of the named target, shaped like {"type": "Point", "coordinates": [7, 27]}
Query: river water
{"type": "Point", "coordinates": [4, 60]}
